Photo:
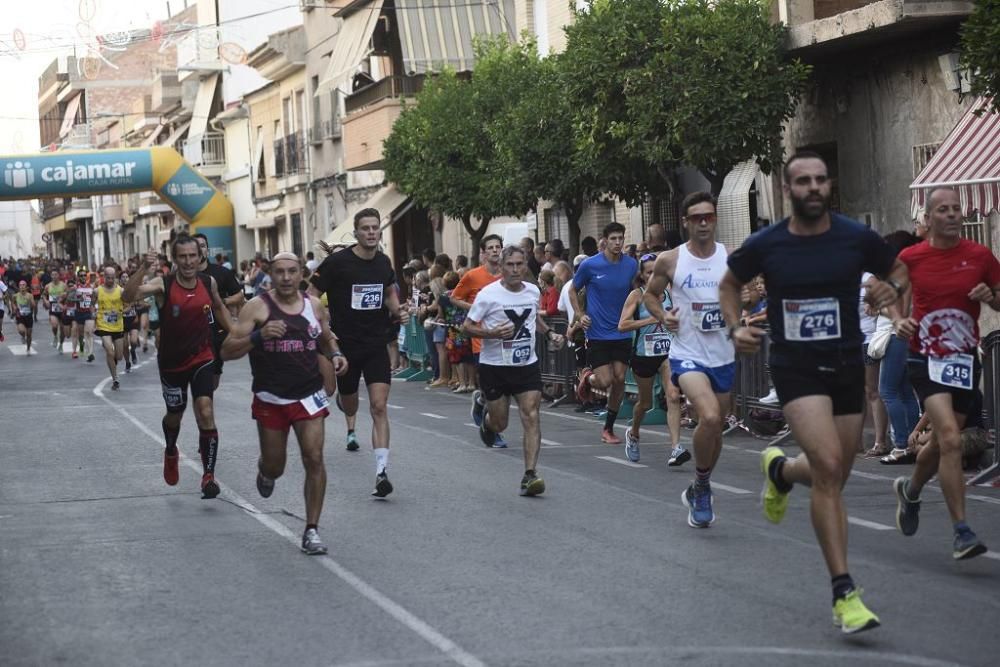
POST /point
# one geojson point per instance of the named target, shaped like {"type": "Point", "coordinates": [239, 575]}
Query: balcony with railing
{"type": "Point", "coordinates": [370, 115]}
{"type": "Point", "coordinates": [291, 160]}
{"type": "Point", "coordinates": [206, 152]}
{"type": "Point", "coordinates": [389, 88]}
{"type": "Point", "coordinates": [829, 26]}
{"type": "Point", "coordinates": [327, 130]}
{"type": "Point", "coordinates": [198, 51]}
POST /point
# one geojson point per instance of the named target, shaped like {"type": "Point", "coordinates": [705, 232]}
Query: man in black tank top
{"type": "Point", "coordinates": [283, 330]}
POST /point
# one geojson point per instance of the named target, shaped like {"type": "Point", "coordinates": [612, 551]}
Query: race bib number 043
{"type": "Point", "coordinates": [707, 317]}
{"type": "Point", "coordinates": [366, 297]}
{"type": "Point", "coordinates": [955, 370]}
{"type": "Point", "coordinates": [811, 319]}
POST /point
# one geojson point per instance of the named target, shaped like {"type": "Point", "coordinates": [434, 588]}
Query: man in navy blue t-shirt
{"type": "Point", "coordinates": [607, 277]}
{"type": "Point", "coordinates": [812, 264]}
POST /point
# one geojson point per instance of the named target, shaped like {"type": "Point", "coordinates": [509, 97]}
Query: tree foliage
{"type": "Point", "coordinates": [980, 36]}
{"type": "Point", "coordinates": [441, 151]}
{"type": "Point", "coordinates": [666, 83]}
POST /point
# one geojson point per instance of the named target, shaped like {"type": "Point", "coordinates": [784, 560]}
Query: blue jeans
{"type": "Point", "coordinates": [432, 351]}
{"type": "Point", "coordinates": [897, 393]}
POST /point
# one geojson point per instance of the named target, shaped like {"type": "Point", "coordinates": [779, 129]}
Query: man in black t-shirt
{"type": "Point", "coordinates": [812, 264]}
{"type": "Point", "coordinates": [360, 288]}
{"type": "Point", "coordinates": [232, 295]}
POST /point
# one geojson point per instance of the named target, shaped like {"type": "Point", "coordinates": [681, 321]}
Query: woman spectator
{"type": "Point", "coordinates": [439, 333]}
{"type": "Point", "coordinates": [458, 344]}
{"type": "Point", "coordinates": [876, 407]}
{"type": "Point", "coordinates": [894, 384]}
{"type": "Point", "coordinates": [550, 293]}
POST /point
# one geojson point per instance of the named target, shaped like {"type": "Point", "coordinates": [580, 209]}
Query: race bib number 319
{"type": "Point", "coordinates": [811, 319]}
{"type": "Point", "coordinates": [366, 297]}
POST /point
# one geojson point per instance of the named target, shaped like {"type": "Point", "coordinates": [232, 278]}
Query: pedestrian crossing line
{"type": "Point", "coordinates": [990, 554]}
{"type": "Point", "coordinates": [622, 462]}
{"type": "Point", "coordinates": [865, 523]}
{"type": "Point", "coordinates": [432, 415]}
{"type": "Point", "coordinates": [731, 489]}
{"type": "Point", "coordinates": [21, 350]}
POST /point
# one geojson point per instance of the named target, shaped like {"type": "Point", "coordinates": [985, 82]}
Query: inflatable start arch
{"type": "Point", "coordinates": [161, 169]}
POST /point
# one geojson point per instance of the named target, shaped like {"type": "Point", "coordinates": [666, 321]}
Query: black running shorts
{"type": "Point", "coordinates": [371, 362]}
{"type": "Point", "coordinates": [499, 381]}
{"type": "Point", "coordinates": [175, 385]}
{"type": "Point", "coordinates": [113, 335]}
{"type": "Point", "coordinates": [603, 352]}
{"type": "Point", "coordinates": [844, 384]}
{"type": "Point", "coordinates": [646, 367]}
{"type": "Point", "coordinates": [962, 400]}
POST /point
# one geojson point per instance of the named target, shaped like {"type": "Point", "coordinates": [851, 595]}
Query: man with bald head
{"type": "Point", "coordinates": [950, 279]}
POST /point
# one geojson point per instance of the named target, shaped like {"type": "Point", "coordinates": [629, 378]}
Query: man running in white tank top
{"type": "Point", "coordinates": [701, 355]}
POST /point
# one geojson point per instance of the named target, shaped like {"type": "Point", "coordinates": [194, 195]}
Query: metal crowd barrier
{"type": "Point", "coordinates": [991, 404]}
{"type": "Point", "coordinates": [416, 353]}
{"type": "Point", "coordinates": [751, 383]}
{"type": "Point", "coordinates": [557, 366]}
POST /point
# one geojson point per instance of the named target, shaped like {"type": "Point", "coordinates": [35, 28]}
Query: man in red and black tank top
{"type": "Point", "coordinates": [185, 300]}
{"type": "Point", "coordinates": [283, 331]}
{"type": "Point", "coordinates": [950, 278]}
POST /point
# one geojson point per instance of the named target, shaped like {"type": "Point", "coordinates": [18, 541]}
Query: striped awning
{"type": "Point", "coordinates": [441, 33]}
{"type": "Point", "coordinates": [734, 204]}
{"type": "Point", "coordinates": [968, 160]}
{"type": "Point", "coordinates": [352, 45]}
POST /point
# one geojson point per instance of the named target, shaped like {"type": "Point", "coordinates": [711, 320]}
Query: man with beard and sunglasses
{"type": "Point", "coordinates": [812, 264]}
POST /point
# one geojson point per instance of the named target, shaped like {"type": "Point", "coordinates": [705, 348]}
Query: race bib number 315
{"type": "Point", "coordinates": [366, 297]}
{"type": "Point", "coordinates": [955, 370]}
{"type": "Point", "coordinates": [811, 319]}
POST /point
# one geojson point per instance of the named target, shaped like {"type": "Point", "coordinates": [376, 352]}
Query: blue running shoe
{"type": "Point", "coordinates": [699, 506]}
{"type": "Point", "coordinates": [478, 407]}
{"type": "Point", "coordinates": [631, 446]}
{"type": "Point", "coordinates": [967, 545]}
{"type": "Point", "coordinates": [499, 443]}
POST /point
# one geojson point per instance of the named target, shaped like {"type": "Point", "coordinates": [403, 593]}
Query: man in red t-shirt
{"type": "Point", "coordinates": [950, 279]}
{"type": "Point", "coordinates": [186, 357]}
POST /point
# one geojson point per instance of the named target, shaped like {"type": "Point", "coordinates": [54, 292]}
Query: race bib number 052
{"type": "Point", "coordinates": [516, 352]}
{"type": "Point", "coordinates": [811, 319]}
{"type": "Point", "coordinates": [955, 370]}
{"type": "Point", "coordinates": [366, 297]}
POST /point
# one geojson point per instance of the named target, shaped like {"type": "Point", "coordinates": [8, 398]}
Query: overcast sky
{"type": "Point", "coordinates": [51, 28]}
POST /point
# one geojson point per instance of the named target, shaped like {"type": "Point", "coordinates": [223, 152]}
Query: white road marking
{"type": "Point", "coordinates": [985, 499]}
{"type": "Point", "coordinates": [474, 426]}
{"type": "Point", "coordinates": [21, 350]}
{"type": "Point", "coordinates": [870, 475]}
{"type": "Point", "coordinates": [991, 554]}
{"type": "Point", "coordinates": [432, 415]}
{"type": "Point", "coordinates": [622, 462]}
{"type": "Point", "coordinates": [550, 443]}
{"type": "Point", "coordinates": [865, 523]}
{"type": "Point", "coordinates": [394, 407]}
{"type": "Point", "coordinates": [731, 489]}
{"type": "Point", "coordinates": [419, 627]}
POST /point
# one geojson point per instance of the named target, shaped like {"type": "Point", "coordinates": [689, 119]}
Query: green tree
{"type": "Point", "coordinates": [980, 36]}
{"type": "Point", "coordinates": [534, 130]}
{"type": "Point", "coordinates": [442, 153]}
{"type": "Point", "coordinates": [665, 83]}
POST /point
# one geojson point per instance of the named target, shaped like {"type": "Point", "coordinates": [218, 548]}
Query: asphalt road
{"type": "Point", "coordinates": [103, 564]}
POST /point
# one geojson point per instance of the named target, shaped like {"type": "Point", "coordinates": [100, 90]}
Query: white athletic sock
{"type": "Point", "coordinates": [381, 460]}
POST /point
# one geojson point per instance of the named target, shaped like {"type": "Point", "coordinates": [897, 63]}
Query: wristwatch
{"type": "Point", "coordinates": [729, 332]}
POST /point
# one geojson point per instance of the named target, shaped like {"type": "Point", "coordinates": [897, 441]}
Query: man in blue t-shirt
{"type": "Point", "coordinates": [607, 277]}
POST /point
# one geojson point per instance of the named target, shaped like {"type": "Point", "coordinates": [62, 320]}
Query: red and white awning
{"type": "Point", "coordinates": [968, 160]}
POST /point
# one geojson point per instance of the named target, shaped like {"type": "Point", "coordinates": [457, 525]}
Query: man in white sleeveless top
{"type": "Point", "coordinates": [701, 355]}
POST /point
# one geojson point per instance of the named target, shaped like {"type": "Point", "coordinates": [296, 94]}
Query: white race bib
{"type": "Point", "coordinates": [707, 317]}
{"type": "Point", "coordinates": [55, 307]}
{"type": "Point", "coordinates": [25, 310]}
{"type": "Point", "coordinates": [366, 297]}
{"type": "Point", "coordinates": [955, 370]}
{"type": "Point", "coordinates": [70, 312]}
{"type": "Point", "coordinates": [811, 319]}
{"type": "Point", "coordinates": [516, 352]}
{"type": "Point", "coordinates": [85, 302]}
{"type": "Point", "coordinates": [111, 317]}
{"type": "Point", "coordinates": [656, 344]}
{"type": "Point", "coordinates": [173, 396]}
{"type": "Point", "coordinates": [313, 404]}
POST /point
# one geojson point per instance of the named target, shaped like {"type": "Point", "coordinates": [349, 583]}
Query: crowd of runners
{"type": "Point", "coordinates": [676, 318]}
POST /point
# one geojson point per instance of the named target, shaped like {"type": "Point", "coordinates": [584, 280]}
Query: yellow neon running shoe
{"type": "Point", "coordinates": [774, 501]}
{"type": "Point", "coordinates": [851, 615]}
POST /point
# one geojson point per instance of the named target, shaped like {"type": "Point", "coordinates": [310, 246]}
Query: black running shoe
{"type": "Point", "coordinates": [209, 487]}
{"type": "Point", "coordinates": [265, 486]}
{"type": "Point", "coordinates": [115, 385]}
{"type": "Point", "coordinates": [383, 486]}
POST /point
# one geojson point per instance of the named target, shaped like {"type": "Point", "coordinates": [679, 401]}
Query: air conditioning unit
{"type": "Point", "coordinates": [331, 129]}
